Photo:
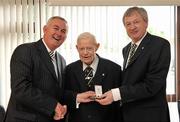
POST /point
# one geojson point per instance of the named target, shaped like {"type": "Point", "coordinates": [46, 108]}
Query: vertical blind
{"type": "Point", "coordinates": [22, 21]}
{"type": "Point", "coordinates": [19, 23]}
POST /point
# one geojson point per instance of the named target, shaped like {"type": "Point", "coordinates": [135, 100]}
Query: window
{"type": "Point", "coordinates": [22, 21]}
{"type": "Point", "coordinates": [105, 22]}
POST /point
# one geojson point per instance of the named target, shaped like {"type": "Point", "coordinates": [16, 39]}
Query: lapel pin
{"type": "Point", "coordinates": [103, 74]}
{"type": "Point", "coordinates": [142, 48]}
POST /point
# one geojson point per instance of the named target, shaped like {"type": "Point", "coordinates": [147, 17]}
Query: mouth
{"type": "Point", "coordinates": [86, 58]}
{"type": "Point", "coordinates": [57, 38]}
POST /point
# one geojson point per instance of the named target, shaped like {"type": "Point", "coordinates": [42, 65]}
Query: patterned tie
{"type": "Point", "coordinates": [53, 59]}
{"type": "Point", "coordinates": [131, 53]}
{"type": "Point", "coordinates": [88, 74]}
{"type": "Point", "coordinates": [52, 55]}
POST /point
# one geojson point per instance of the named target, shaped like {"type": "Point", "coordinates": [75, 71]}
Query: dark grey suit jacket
{"type": "Point", "coordinates": [34, 85]}
{"type": "Point", "coordinates": [108, 75]}
{"type": "Point", "coordinates": [143, 89]}
{"type": "Point", "coordinates": [2, 113]}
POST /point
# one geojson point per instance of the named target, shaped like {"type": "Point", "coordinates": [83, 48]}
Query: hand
{"type": "Point", "coordinates": [60, 111]}
{"type": "Point", "coordinates": [85, 97]}
{"type": "Point", "coordinates": [106, 98]}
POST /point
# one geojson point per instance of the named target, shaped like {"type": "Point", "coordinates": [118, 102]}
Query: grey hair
{"type": "Point", "coordinates": [57, 17]}
{"type": "Point", "coordinates": [139, 10]}
{"type": "Point", "coordinates": [86, 35]}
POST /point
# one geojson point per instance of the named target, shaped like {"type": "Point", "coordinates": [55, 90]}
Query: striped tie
{"type": "Point", "coordinates": [53, 59]}
{"type": "Point", "coordinates": [88, 74]}
{"type": "Point", "coordinates": [52, 56]}
{"type": "Point", "coordinates": [131, 53]}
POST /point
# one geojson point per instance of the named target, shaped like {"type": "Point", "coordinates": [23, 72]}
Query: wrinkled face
{"type": "Point", "coordinates": [135, 26]}
{"type": "Point", "coordinates": [55, 33]}
{"type": "Point", "coordinates": [87, 50]}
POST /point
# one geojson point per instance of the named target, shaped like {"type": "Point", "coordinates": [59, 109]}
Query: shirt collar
{"type": "Point", "coordinates": [47, 46]}
{"type": "Point", "coordinates": [138, 42]}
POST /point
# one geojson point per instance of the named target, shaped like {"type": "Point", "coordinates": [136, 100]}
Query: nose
{"type": "Point", "coordinates": [85, 51]}
{"type": "Point", "coordinates": [132, 26]}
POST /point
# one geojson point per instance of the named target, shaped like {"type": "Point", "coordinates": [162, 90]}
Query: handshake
{"type": "Point", "coordinates": [60, 111]}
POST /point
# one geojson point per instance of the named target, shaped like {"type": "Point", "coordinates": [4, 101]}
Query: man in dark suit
{"type": "Point", "coordinates": [2, 113]}
{"type": "Point", "coordinates": [104, 75]}
{"type": "Point", "coordinates": [36, 78]}
{"type": "Point", "coordinates": [143, 90]}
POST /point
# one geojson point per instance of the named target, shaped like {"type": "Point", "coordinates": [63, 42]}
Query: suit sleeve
{"type": "Point", "coordinates": [23, 90]}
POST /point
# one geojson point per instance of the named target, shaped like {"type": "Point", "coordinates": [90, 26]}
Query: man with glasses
{"type": "Point", "coordinates": [83, 77]}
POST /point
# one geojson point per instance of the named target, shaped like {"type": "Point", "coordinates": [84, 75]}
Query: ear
{"type": "Point", "coordinates": [97, 46]}
{"type": "Point", "coordinates": [76, 47]}
{"type": "Point", "coordinates": [44, 28]}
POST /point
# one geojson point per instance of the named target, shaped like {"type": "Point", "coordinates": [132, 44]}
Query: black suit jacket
{"type": "Point", "coordinates": [2, 113]}
{"type": "Point", "coordinates": [35, 89]}
{"type": "Point", "coordinates": [108, 75]}
{"type": "Point", "coordinates": [143, 89]}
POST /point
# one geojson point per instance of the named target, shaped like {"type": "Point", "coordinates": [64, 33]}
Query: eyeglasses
{"type": "Point", "coordinates": [87, 49]}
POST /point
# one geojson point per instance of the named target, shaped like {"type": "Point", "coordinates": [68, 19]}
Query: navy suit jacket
{"type": "Point", "coordinates": [34, 85]}
{"type": "Point", "coordinates": [143, 89]}
{"type": "Point", "coordinates": [108, 75]}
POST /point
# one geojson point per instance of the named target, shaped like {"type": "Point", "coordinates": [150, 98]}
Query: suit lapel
{"type": "Point", "coordinates": [60, 67]}
{"type": "Point", "coordinates": [125, 54]}
{"type": "Point", "coordinates": [58, 63]}
{"type": "Point", "coordinates": [80, 76]}
{"type": "Point", "coordinates": [43, 53]}
{"type": "Point", "coordinates": [100, 73]}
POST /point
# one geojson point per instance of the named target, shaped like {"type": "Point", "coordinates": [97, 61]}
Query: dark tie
{"type": "Point", "coordinates": [131, 53]}
{"type": "Point", "coordinates": [88, 74]}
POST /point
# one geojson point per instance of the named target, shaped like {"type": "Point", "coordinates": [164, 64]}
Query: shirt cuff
{"type": "Point", "coordinates": [116, 94]}
{"type": "Point", "coordinates": [77, 104]}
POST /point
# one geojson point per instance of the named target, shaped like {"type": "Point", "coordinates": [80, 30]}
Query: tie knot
{"type": "Point", "coordinates": [52, 55]}
{"type": "Point", "coordinates": [133, 46]}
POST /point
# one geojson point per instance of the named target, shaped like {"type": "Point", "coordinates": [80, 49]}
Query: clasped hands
{"type": "Point", "coordinates": [60, 111]}
{"type": "Point", "coordinates": [104, 99]}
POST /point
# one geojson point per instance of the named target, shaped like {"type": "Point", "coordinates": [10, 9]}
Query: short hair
{"type": "Point", "coordinates": [139, 10]}
{"type": "Point", "coordinates": [57, 17]}
{"type": "Point", "coordinates": [86, 35]}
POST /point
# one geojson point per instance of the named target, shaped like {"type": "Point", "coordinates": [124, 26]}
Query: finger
{"type": "Point", "coordinates": [102, 101]}
{"type": "Point", "coordinates": [57, 117]}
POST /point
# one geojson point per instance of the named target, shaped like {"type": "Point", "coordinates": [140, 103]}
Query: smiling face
{"type": "Point", "coordinates": [55, 33]}
{"type": "Point", "coordinates": [87, 47]}
{"type": "Point", "coordinates": [135, 26]}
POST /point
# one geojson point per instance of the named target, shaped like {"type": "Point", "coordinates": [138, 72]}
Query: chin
{"type": "Point", "coordinates": [87, 62]}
